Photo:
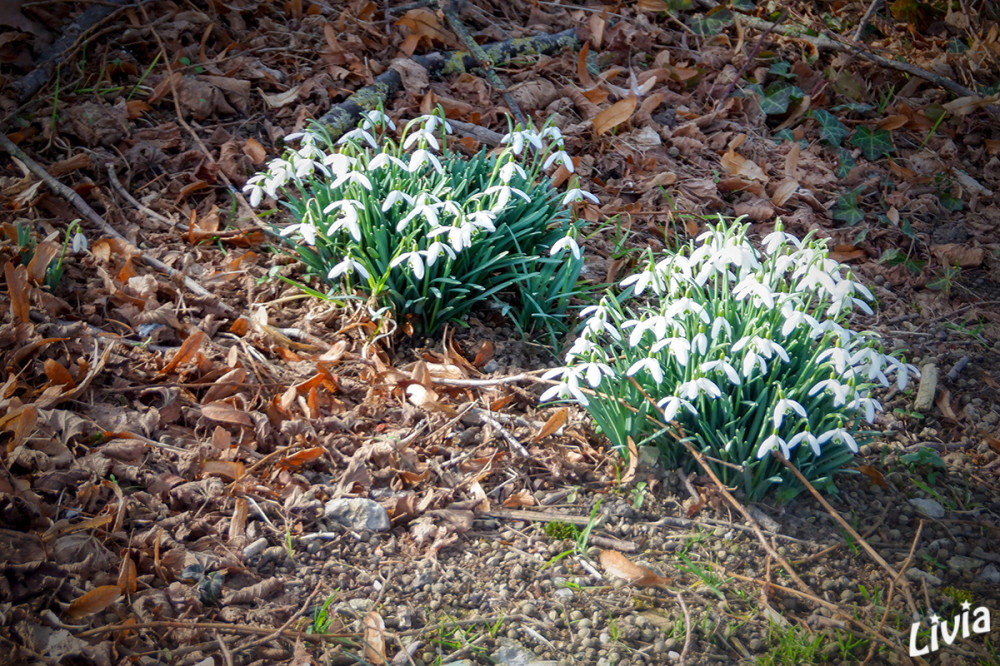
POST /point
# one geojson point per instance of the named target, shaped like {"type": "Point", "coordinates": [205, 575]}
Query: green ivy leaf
{"type": "Point", "coordinates": [711, 24]}
{"type": "Point", "coordinates": [857, 107]}
{"type": "Point", "coordinates": [779, 95]}
{"type": "Point", "coordinates": [873, 143]}
{"type": "Point", "coordinates": [782, 69]}
{"type": "Point", "coordinates": [845, 162]}
{"type": "Point", "coordinates": [848, 208]}
{"type": "Point", "coordinates": [831, 130]}
{"type": "Point", "coordinates": [785, 135]}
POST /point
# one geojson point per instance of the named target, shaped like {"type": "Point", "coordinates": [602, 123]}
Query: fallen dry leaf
{"type": "Point", "coordinates": [620, 566]}
{"type": "Point", "coordinates": [94, 601]}
{"type": "Point", "coordinates": [614, 115]}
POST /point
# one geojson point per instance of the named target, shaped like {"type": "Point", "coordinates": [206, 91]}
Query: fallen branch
{"type": "Point", "coordinates": [825, 42]}
{"type": "Point", "coordinates": [70, 39]}
{"type": "Point", "coordinates": [343, 117]}
{"type": "Point", "coordinates": [92, 216]}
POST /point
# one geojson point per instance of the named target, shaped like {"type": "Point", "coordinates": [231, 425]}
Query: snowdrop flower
{"type": "Point", "coordinates": [349, 211]}
{"type": "Point", "coordinates": [794, 317]}
{"type": "Point", "coordinates": [431, 121]}
{"type": "Point", "coordinates": [353, 177]}
{"type": "Point", "coordinates": [838, 434]}
{"type": "Point", "coordinates": [839, 391]}
{"type": "Point", "coordinates": [552, 133]}
{"type": "Point", "coordinates": [568, 387]}
{"type": "Point", "coordinates": [806, 436]}
{"type": "Point", "coordinates": [751, 286]}
{"type": "Point", "coordinates": [504, 195]}
{"type": "Point", "coordinates": [840, 358]}
{"type": "Point", "coordinates": [394, 197]}
{"type": "Point", "coordinates": [721, 364]}
{"type": "Point", "coordinates": [581, 348]}
{"type": "Point", "coordinates": [684, 306]}
{"type": "Point", "coordinates": [650, 365]}
{"type": "Point", "coordinates": [346, 266]}
{"type": "Point", "coordinates": [559, 156]}
{"type": "Point", "coordinates": [483, 219]}
{"type": "Point", "coordinates": [655, 323]}
{"type": "Point", "coordinates": [254, 189]}
{"type": "Point", "coordinates": [778, 239]}
{"type": "Point", "coordinates": [338, 163]}
{"type": "Point", "coordinates": [595, 371]}
{"type": "Point", "coordinates": [424, 136]}
{"type": "Point", "coordinates": [672, 404]}
{"type": "Point", "coordinates": [783, 407]}
{"type": "Point", "coordinates": [866, 404]}
{"type": "Point", "coordinates": [680, 349]}
{"type": "Point", "coordinates": [279, 172]}
{"type": "Point", "coordinates": [79, 243]}
{"type": "Point", "coordinates": [516, 140]}
{"type": "Point", "coordinates": [576, 194]}
{"type": "Point", "coordinates": [385, 159]}
{"type": "Point", "coordinates": [692, 389]}
{"type": "Point", "coordinates": [459, 237]}
{"type": "Point", "coordinates": [718, 325]}
{"type": "Point", "coordinates": [771, 443]}
{"type": "Point", "coordinates": [376, 117]}
{"type": "Point", "coordinates": [563, 243]}
{"type": "Point", "coordinates": [423, 206]}
{"type": "Point", "coordinates": [508, 170]}
{"type": "Point", "coordinates": [643, 279]}
{"type": "Point", "coordinates": [843, 295]}
{"type": "Point", "coordinates": [421, 157]}
{"type": "Point", "coordinates": [358, 135]}
{"type": "Point", "coordinates": [763, 346]}
{"type": "Point", "coordinates": [306, 228]}
{"type": "Point", "coordinates": [870, 363]}
{"type": "Point", "coordinates": [903, 370]}
{"type": "Point", "coordinates": [597, 321]}
{"type": "Point", "coordinates": [415, 261]}
{"type": "Point", "coordinates": [435, 250]}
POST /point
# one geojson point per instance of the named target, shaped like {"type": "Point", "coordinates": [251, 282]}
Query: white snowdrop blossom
{"type": "Point", "coordinates": [508, 170]}
{"type": "Point", "coordinates": [566, 242]}
{"type": "Point", "coordinates": [576, 194]}
{"type": "Point", "coordinates": [415, 261]}
{"type": "Point", "coordinates": [370, 119]}
{"type": "Point", "coordinates": [727, 369]}
{"type": "Point", "coordinates": [650, 365]}
{"type": "Point", "coordinates": [306, 229]}
{"type": "Point", "coordinates": [348, 217]}
{"type": "Point", "coordinates": [783, 407]}
{"type": "Point", "coordinates": [838, 434]}
{"type": "Point", "coordinates": [840, 392]}
{"type": "Point", "coordinates": [692, 389]}
{"type": "Point", "coordinates": [354, 177]}
{"type": "Point", "coordinates": [809, 438]}
{"type": "Point", "coordinates": [395, 197]}
{"type": "Point", "coordinates": [672, 404]}
{"type": "Point", "coordinates": [422, 136]}
{"type": "Point", "coordinates": [421, 158]}
{"type": "Point", "coordinates": [562, 157]}
{"type": "Point", "coordinates": [359, 135]}
{"type": "Point", "coordinates": [383, 160]}
{"type": "Point", "coordinates": [770, 444]}
{"type": "Point", "coordinates": [254, 188]}
{"type": "Point", "coordinates": [347, 266]}
{"type": "Point", "coordinates": [504, 192]}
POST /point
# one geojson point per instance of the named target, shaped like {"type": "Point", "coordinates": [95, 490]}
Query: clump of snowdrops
{"type": "Point", "coordinates": [423, 230]}
{"type": "Point", "coordinates": [739, 353]}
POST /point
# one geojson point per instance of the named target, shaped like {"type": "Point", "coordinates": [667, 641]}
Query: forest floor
{"type": "Point", "coordinates": [172, 448]}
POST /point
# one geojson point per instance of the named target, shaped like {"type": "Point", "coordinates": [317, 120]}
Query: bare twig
{"type": "Point", "coordinates": [850, 530]}
{"type": "Point", "coordinates": [955, 371]}
{"type": "Point", "coordinates": [687, 628]}
{"type": "Point", "coordinates": [279, 631]}
{"type": "Point", "coordinates": [750, 58]}
{"type": "Point", "coordinates": [484, 62]}
{"type": "Point", "coordinates": [221, 627]}
{"type": "Point", "coordinates": [750, 519]}
{"type": "Point", "coordinates": [872, 8]}
{"type": "Point", "coordinates": [92, 216]}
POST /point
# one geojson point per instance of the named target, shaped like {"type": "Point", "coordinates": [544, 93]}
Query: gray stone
{"type": "Point", "coordinates": [962, 563]}
{"type": "Point", "coordinates": [512, 653]}
{"type": "Point", "coordinates": [563, 595]}
{"type": "Point", "coordinates": [990, 574]}
{"type": "Point", "coordinates": [914, 573]}
{"type": "Point", "coordinates": [254, 549]}
{"type": "Point", "coordinates": [928, 507]}
{"type": "Point", "coordinates": [357, 513]}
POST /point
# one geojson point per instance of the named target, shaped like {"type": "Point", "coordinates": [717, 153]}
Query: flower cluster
{"type": "Point", "coordinates": [426, 231]}
{"type": "Point", "coordinates": [738, 351]}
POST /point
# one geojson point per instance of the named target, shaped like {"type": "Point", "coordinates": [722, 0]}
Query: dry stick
{"type": "Point", "coordinates": [892, 585]}
{"type": "Point", "coordinates": [72, 34]}
{"type": "Point", "coordinates": [485, 64]}
{"type": "Point", "coordinates": [277, 632]}
{"type": "Point", "coordinates": [750, 519]}
{"type": "Point", "coordinates": [342, 117]}
{"type": "Point", "coordinates": [850, 530]}
{"type": "Point", "coordinates": [824, 42]}
{"type": "Point", "coordinates": [872, 8]}
{"type": "Point", "coordinates": [84, 208]}
{"type": "Point", "coordinates": [750, 58]}
{"type": "Point", "coordinates": [687, 628]}
{"type": "Point", "coordinates": [216, 626]}
{"type": "Point", "coordinates": [834, 608]}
